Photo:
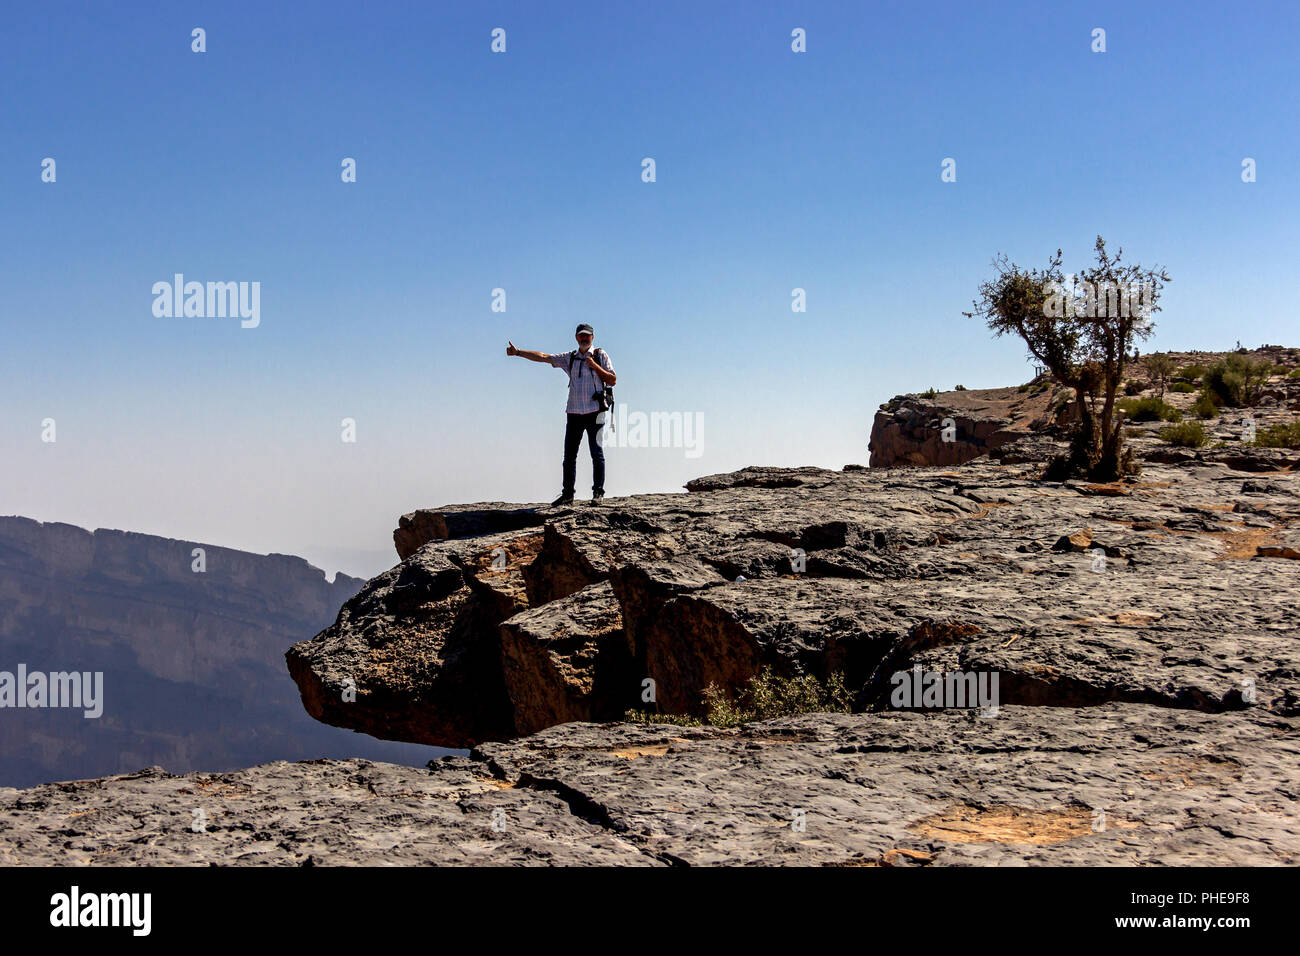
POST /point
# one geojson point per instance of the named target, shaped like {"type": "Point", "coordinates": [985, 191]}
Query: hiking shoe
{"type": "Point", "coordinates": [566, 498]}
{"type": "Point", "coordinates": [596, 496]}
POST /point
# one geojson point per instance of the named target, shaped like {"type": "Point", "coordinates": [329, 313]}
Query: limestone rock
{"type": "Point", "coordinates": [954, 427]}
{"type": "Point", "coordinates": [416, 655]}
{"type": "Point", "coordinates": [1108, 785]}
{"type": "Point", "coordinates": [759, 477]}
{"type": "Point", "coordinates": [568, 660]}
{"type": "Point", "coordinates": [418, 528]}
{"type": "Point", "coordinates": [1172, 589]}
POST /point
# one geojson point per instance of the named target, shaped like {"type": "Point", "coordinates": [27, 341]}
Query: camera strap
{"type": "Point", "coordinates": [605, 389]}
{"type": "Point", "coordinates": [596, 353]}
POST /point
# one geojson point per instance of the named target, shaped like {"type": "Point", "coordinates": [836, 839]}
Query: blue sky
{"type": "Point", "coordinates": [522, 171]}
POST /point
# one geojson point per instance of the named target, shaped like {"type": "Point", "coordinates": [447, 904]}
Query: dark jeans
{"type": "Point", "coordinates": [572, 439]}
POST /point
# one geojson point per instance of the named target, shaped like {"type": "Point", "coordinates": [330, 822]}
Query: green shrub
{"type": "Point", "coordinates": [1235, 379]}
{"type": "Point", "coordinates": [767, 695]}
{"type": "Point", "coordinates": [1182, 387]}
{"type": "Point", "coordinates": [1133, 387]}
{"type": "Point", "coordinates": [1160, 368]}
{"type": "Point", "coordinates": [764, 696]}
{"type": "Point", "coordinates": [648, 717]}
{"type": "Point", "coordinates": [960, 388]}
{"type": "Point", "coordinates": [1149, 410]}
{"type": "Point", "coordinates": [929, 392]}
{"type": "Point", "coordinates": [1186, 435]}
{"type": "Point", "coordinates": [1206, 406]}
{"type": "Point", "coordinates": [1024, 388]}
{"type": "Point", "coordinates": [1294, 373]}
{"type": "Point", "coordinates": [1191, 373]}
{"type": "Point", "coordinates": [1279, 436]}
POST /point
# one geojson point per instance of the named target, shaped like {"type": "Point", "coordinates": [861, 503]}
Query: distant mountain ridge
{"type": "Point", "coordinates": [192, 660]}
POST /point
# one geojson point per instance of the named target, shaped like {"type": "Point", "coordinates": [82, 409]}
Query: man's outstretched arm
{"type": "Point", "coordinates": [525, 353]}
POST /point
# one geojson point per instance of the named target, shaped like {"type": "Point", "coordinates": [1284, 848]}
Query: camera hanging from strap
{"type": "Point", "coordinates": [604, 396]}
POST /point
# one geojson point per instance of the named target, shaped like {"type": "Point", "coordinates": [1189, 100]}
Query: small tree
{"type": "Point", "coordinates": [1161, 367]}
{"type": "Point", "coordinates": [1083, 329]}
{"type": "Point", "coordinates": [1236, 380]}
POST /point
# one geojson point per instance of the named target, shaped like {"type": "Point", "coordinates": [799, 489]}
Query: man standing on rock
{"type": "Point", "coordinates": [590, 373]}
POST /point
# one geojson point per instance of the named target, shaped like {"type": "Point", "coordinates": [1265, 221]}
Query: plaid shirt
{"type": "Point", "coordinates": [583, 382]}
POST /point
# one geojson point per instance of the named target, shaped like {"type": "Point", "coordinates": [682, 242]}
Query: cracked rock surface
{"type": "Point", "coordinates": [1178, 589]}
{"type": "Point", "coordinates": [1143, 635]}
{"type": "Point", "coordinates": [1113, 784]}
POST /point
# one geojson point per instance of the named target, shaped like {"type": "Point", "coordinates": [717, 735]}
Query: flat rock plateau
{"type": "Point", "coordinates": [1143, 634]}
